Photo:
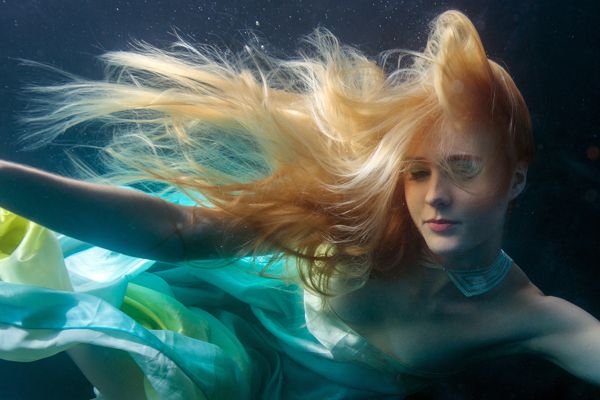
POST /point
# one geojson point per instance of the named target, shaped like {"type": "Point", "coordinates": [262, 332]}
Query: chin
{"type": "Point", "coordinates": [443, 248]}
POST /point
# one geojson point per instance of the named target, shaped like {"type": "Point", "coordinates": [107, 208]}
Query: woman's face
{"type": "Point", "coordinates": [471, 209]}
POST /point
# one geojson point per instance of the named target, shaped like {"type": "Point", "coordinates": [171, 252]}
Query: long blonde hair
{"type": "Point", "coordinates": [308, 151]}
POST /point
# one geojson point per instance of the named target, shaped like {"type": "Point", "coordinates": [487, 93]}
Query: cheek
{"type": "Point", "coordinates": [485, 197]}
{"type": "Point", "coordinates": [413, 201]}
{"type": "Point", "coordinates": [485, 213]}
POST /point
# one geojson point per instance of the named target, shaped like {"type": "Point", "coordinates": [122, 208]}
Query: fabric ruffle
{"type": "Point", "coordinates": [202, 331]}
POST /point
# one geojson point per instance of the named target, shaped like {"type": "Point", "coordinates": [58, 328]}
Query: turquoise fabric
{"type": "Point", "coordinates": [196, 332]}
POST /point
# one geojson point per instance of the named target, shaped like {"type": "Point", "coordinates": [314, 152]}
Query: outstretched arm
{"type": "Point", "coordinates": [119, 219]}
{"type": "Point", "coordinates": [123, 220]}
{"type": "Point", "coordinates": [568, 336]}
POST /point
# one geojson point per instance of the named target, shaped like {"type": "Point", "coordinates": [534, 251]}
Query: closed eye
{"type": "Point", "coordinates": [466, 169]}
{"type": "Point", "coordinates": [417, 175]}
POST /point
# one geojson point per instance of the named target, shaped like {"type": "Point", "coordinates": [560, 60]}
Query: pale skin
{"type": "Point", "coordinates": [426, 322]}
{"type": "Point", "coordinates": [421, 319]}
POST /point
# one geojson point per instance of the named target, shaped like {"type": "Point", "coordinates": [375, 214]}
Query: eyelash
{"type": "Point", "coordinates": [417, 175]}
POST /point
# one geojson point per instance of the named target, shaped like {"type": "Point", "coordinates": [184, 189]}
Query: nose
{"type": "Point", "coordinates": [439, 190]}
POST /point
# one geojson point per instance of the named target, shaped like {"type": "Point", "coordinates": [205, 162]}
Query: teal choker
{"type": "Point", "coordinates": [472, 282]}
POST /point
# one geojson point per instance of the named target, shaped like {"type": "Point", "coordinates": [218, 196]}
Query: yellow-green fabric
{"type": "Point", "coordinates": [30, 254]}
{"type": "Point", "coordinates": [202, 331]}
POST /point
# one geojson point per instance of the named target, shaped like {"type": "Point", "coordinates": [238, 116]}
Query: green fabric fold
{"type": "Point", "coordinates": [30, 254]}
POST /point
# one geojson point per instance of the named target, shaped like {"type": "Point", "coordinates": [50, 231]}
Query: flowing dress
{"type": "Point", "coordinates": [218, 330]}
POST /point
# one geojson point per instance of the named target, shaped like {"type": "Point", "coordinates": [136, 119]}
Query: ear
{"type": "Point", "coordinates": [518, 180]}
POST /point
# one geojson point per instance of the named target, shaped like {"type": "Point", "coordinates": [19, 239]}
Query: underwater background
{"type": "Point", "coordinates": [551, 48]}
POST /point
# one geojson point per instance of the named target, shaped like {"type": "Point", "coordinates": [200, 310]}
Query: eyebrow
{"type": "Point", "coordinates": [452, 157]}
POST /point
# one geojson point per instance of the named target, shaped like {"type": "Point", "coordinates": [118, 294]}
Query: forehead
{"type": "Point", "coordinates": [452, 141]}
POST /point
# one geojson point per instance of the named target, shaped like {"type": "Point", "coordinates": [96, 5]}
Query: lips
{"type": "Point", "coordinates": [441, 221]}
{"type": "Point", "coordinates": [440, 225]}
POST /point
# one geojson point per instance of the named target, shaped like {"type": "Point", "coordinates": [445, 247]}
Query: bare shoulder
{"type": "Point", "coordinates": [536, 320]}
{"type": "Point", "coordinates": [542, 314]}
{"type": "Point", "coordinates": [550, 315]}
{"type": "Point", "coordinates": [564, 334]}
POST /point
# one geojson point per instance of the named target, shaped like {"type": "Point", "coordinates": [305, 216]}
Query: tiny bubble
{"type": "Point", "coordinates": [257, 23]}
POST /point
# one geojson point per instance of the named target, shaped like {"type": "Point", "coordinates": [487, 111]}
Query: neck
{"type": "Point", "coordinates": [479, 257]}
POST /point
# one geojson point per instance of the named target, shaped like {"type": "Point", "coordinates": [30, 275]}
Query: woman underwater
{"type": "Point", "coordinates": [320, 227]}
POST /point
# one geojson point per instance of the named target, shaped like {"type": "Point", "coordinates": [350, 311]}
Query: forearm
{"type": "Point", "coordinates": [118, 219]}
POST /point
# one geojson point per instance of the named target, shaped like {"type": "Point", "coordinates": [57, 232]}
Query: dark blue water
{"type": "Point", "coordinates": [551, 48]}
